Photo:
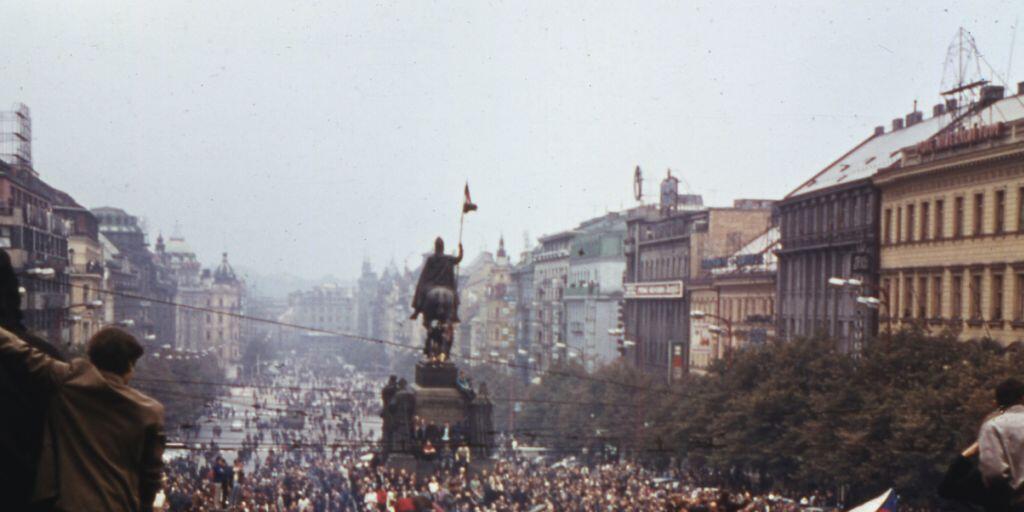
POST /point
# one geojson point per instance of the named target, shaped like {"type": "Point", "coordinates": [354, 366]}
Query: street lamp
{"type": "Point", "coordinates": [42, 272]}
{"type": "Point", "coordinates": [92, 304]}
{"type": "Point", "coordinates": [836, 281]}
{"type": "Point", "coordinates": [867, 301]}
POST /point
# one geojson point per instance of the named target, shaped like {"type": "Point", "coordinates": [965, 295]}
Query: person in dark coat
{"type": "Point", "coordinates": [24, 406]}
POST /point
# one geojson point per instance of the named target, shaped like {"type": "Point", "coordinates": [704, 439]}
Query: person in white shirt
{"type": "Point", "coordinates": [1001, 444]}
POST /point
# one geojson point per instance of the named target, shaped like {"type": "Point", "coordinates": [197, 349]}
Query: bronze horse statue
{"type": "Point", "coordinates": [437, 300]}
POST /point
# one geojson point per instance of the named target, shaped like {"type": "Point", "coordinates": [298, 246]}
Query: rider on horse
{"type": "Point", "coordinates": [438, 272]}
{"type": "Point", "coordinates": [436, 300]}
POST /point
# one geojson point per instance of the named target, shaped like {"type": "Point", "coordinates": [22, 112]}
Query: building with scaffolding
{"type": "Point", "coordinates": [16, 136]}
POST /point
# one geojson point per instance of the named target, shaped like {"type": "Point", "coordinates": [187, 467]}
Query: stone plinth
{"type": "Point", "coordinates": [435, 397]}
{"type": "Point", "coordinates": [440, 405]}
{"type": "Point", "coordinates": [436, 375]}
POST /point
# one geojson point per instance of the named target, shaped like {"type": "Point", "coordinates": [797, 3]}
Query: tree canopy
{"type": "Point", "coordinates": [798, 415]}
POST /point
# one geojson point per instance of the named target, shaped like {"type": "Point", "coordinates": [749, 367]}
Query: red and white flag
{"type": "Point", "coordinates": [467, 203]}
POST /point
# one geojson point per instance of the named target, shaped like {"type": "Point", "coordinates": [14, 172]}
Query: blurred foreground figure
{"type": "Point", "coordinates": [22, 406]}
{"type": "Point", "coordinates": [1001, 444]}
{"type": "Point", "coordinates": [103, 440]}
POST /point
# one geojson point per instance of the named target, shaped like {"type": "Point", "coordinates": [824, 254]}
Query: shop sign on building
{"type": "Point", "coordinates": [654, 290]}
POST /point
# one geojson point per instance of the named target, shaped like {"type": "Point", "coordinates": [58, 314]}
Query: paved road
{"type": "Point", "coordinates": [241, 402]}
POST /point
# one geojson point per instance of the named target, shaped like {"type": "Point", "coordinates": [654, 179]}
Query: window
{"type": "Point", "coordinates": [958, 217]}
{"type": "Point", "coordinates": [908, 291]}
{"type": "Point", "coordinates": [922, 286]}
{"type": "Point", "coordinates": [997, 296]}
{"type": "Point", "coordinates": [940, 219]}
{"type": "Point", "coordinates": [958, 296]}
{"type": "Point", "coordinates": [899, 224]}
{"type": "Point", "coordinates": [887, 225]}
{"type": "Point", "coordinates": [979, 213]}
{"type": "Point", "coordinates": [975, 296]}
{"type": "Point", "coordinates": [886, 295]}
{"type": "Point", "coordinates": [910, 223]}
{"type": "Point", "coordinates": [1000, 212]}
{"type": "Point", "coordinates": [855, 216]}
{"type": "Point", "coordinates": [1020, 209]}
{"type": "Point", "coordinates": [1019, 316]}
{"type": "Point", "coordinates": [936, 297]}
{"type": "Point", "coordinates": [925, 211]}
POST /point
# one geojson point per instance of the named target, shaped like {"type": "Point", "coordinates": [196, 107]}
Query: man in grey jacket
{"type": "Point", "coordinates": [103, 440]}
{"type": "Point", "coordinates": [1001, 444]}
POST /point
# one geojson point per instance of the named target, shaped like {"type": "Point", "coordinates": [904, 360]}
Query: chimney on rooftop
{"type": "Point", "coordinates": [897, 124]}
{"type": "Point", "coordinates": [991, 94]}
{"type": "Point", "coordinates": [879, 130]}
{"type": "Point", "coordinates": [938, 110]}
{"type": "Point", "coordinates": [951, 104]}
{"type": "Point", "coordinates": [914, 117]}
{"type": "Point", "coordinates": [1020, 88]}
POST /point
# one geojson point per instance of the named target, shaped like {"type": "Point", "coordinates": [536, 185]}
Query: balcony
{"type": "Point", "coordinates": [833, 237]}
{"type": "Point", "coordinates": [90, 268]}
{"type": "Point", "coordinates": [582, 290]}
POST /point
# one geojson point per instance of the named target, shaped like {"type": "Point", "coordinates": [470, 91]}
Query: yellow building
{"type": "Point", "coordinates": [952, 227]}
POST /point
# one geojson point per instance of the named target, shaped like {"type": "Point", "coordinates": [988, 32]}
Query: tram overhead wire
{"type": "Point", "coordinates": [368, 339]}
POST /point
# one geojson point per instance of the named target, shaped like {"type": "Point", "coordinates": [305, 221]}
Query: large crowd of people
{"type": "Point", "coordinates": [326, 462]}
{"type": "Point", "coordinates": [330, 480]}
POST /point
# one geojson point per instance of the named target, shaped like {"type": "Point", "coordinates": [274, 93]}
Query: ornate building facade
{"type": "Point", "coordinates": [223, 330]}
{"type": "Point", "coordinates": [952, 226]}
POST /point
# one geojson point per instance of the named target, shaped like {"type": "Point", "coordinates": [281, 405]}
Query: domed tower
{"type": "Point", "coordinates": [224, 273]}
{"type": "Point", "coordinates": [224, 332]}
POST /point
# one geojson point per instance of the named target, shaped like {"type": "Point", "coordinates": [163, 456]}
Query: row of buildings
{"type": "Point", "coordinates": [921, 223]}
{"type": "Point", "coordinates": [82, 269]}
{"type": "Point", "coordinates": [924, 221]}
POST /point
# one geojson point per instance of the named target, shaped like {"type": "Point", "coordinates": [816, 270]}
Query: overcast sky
{"type": "Point", "coordinates": [308, 137]}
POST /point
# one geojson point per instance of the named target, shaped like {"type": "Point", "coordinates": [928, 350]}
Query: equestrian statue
{"type": "Point", "coordinates": [437, 299]}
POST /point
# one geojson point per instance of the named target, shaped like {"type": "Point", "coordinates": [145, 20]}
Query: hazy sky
{"type": "Point", "coordinates": [309, 137]}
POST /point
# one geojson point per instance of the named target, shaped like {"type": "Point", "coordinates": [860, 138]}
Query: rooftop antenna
{"type": "Point", "coordinates": [1013, 43]}
{"type": "Point", "coordinates": [961, 72]}
{"type": "Point", "coordinates": [638, 185]}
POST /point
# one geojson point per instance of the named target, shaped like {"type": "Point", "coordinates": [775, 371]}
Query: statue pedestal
{"type": "Point", "coordinates": [437, 398]}
{"type": "Point", "coordinates": [436, 375]}
{"type": "Point", "coordinates": [440, 405]}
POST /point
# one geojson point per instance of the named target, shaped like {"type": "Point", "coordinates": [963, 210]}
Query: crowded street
{"type": "Point", "coordinates": [252, 443]}
{"type": "Point", "coordinates": [254, 453]}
